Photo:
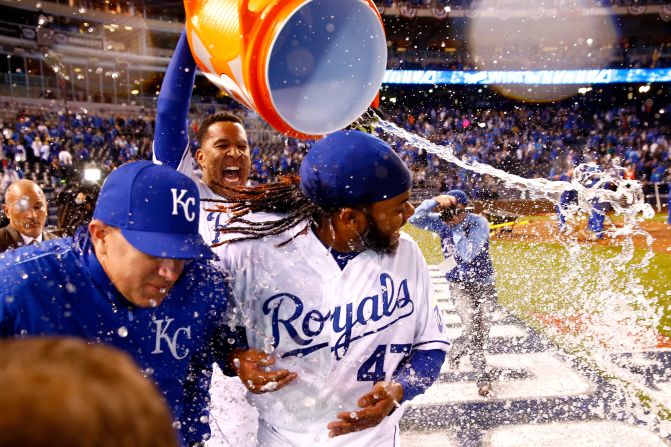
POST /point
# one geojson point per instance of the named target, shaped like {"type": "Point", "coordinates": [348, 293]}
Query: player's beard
{"type": "Point", "coordinates": [377, 241]}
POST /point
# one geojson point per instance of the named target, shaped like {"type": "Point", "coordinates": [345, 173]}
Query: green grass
{"type": "Point", "coordinates": [535, 278]}
{"type": "Point", "coordinates": [660, 217]}
{"type": "Point", "coordinates": [541, 278]}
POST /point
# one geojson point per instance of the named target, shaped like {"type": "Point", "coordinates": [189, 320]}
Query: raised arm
{"type": "Point", "coordinates": [425, 217]}
{"type": "Point", "coordinates": [171, 138]}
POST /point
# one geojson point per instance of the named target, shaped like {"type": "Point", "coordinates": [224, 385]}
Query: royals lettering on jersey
{"type": "Point", "coordinates": [304, 326]}
{"type": "Point", "coordinates": [340, 330]}
{"type": "Point", "coordinates": [215, 221]}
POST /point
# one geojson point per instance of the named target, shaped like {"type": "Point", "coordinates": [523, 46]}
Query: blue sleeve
{"type": "Point", "coordinates": [418, 371]}
{"type": "Point", "coordinates": [425, 219]}
{"type": "Point", "coordinates": [194, 422]}
{"type": "Point", "coordinates": [5, 324]}
{"type": "Point", "coordinates": [8, 297]}
{"type": "Point", "coordinates": [231, 339]}
{"type": "Point", "coordinates": [469, 247]}
{"type": "Point", "coordinates": [171, 136]}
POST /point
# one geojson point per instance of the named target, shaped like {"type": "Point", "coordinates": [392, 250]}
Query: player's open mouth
{"type": "Point", "coordinates": [231, 175]}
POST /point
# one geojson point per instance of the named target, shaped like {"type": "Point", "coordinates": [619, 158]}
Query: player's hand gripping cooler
{"type": "Point", "coordinates": [308, 67]}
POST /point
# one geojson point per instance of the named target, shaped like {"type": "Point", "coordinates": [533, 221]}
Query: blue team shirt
{"type": "Point", "coordinates": [468, 242]}
{"type": "Point", "coordinates": [60, 288]}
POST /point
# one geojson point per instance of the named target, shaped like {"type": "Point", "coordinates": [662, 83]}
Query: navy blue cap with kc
{"type": "Point", "coordinates": [352, 168]}
{"type": "Point", "coordinates": [156, 208]}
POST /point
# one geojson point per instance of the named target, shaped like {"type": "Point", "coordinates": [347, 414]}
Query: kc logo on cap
{"type": "Point", "coordinates": [156, 209]}
{"type": "Point", "coordinates": [178, 201]}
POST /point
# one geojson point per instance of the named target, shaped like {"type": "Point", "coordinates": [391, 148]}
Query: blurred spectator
{"type": "Point", "coordinates": [75, 206]}
{"type": "Point", "coordinates": [26, 208]}
{"type": "Point", "coordinates": [62, 392]}
{"type": "Point", "coordinates": [525, 139]}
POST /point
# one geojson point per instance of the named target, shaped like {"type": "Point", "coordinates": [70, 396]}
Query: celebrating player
{"type": "Point", "coordinates": [124, 280]}
{"type": "Point", "coordinates": [223, 151]}
{"type": "Point", "coordinates": [469, 271]}
{"type": "Point", "coordinates": [338, 294]}
{"type": "Point", "coordinates": [224, 158]}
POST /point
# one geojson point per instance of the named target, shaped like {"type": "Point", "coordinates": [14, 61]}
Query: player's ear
{"type": "Point", "coordinates": [199, 157]}
{"type": "Point", "coordinates": [355, 219]}
{"type": "Point", "coordinates": [99, 231]}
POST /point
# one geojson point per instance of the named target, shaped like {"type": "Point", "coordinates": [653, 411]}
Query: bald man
{"type": "Point", "coordinates": [26, 208]}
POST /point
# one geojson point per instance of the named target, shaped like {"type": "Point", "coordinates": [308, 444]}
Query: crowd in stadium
{"type": "Point", "coordinates": [545, 141]}
{"type": "Point", "coordinates": [536, 142]}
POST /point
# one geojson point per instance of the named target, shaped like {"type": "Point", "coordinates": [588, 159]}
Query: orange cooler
{"type": "Point", "coordinates": [308, 67]}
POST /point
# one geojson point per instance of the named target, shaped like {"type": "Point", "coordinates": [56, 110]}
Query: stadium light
{"type": "Point", "coordinates": [92, 174]}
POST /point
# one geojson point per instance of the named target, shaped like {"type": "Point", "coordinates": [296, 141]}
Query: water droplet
{"type": "Point", "coordinates": [24, 276]}
{"type": "Point", "coordinates": [270, 386]}
{"type": "Point", "coordinates": [204, 419]}
{"type": "Point", "coordinates": [71, 288]}
{"type": "Point", "coordinates": [122, 331]}
{"type": "Point", "coordinates": [176, 425]}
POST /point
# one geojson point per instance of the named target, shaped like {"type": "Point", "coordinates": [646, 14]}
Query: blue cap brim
{"type": "Point", "coordinates": [169, 245]}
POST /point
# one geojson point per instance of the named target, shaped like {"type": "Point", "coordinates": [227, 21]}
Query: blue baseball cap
{"type": "Point", "coordinates": [156, 208]}
{"type": "Point", "coordinates": [459, 195]}
{"type": "Point", "coordinates": [352, 168]}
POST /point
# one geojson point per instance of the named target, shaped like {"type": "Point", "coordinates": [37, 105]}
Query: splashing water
{"type": "Point", "coordinates": [593, 188]}
{"type": "Point", "coordinates": [608, 303]}
{"type": "Point", "coordinates": [612, 308]}
{"type": "Point", "coordinates": [625, 196]}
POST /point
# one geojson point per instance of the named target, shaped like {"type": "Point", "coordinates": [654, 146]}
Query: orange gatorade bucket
{"type": "Point", "coordinates": [308, 67]}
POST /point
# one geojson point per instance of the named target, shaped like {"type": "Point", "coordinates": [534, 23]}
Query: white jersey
{"type": "Point", "coordinates": [233, 421]}
{"type": "Point", "coordinates": [210, 221]}
{"type": "Point", "coordinates": [340, 330]}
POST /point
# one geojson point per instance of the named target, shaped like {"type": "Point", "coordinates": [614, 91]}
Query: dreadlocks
{"type": "Point", "coordinates": [282, 197]}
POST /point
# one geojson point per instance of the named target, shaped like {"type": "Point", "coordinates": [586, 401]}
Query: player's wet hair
{"type": "Point", "coordinates": [213, 119]}
{"type": "Point", "coordinates": [282, 197]}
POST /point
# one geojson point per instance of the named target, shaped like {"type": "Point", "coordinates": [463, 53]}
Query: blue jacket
{"type": "Point", "coordinates": [468, 242]}
{"type": "Point", "coordinates": [60, 288]}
